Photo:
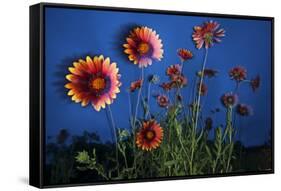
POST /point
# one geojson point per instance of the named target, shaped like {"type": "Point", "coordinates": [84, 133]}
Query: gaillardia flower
{"type": "Point", "coordinates": [178, 81]}
{"type": "Point", "coordinates": [184, 54]}
{"type": "Point", "coordinates": [167, 86]}
{"type": "Point", "coordinates": [238, 73]}
{"type": "Point", "coordinates": [94, 81]}
{"type": "Point", "coordinates": [229, 99]}
{"type": "Point", "coordinates": [255, 83]}
{"type": "Point", "coordinates": [162, 100]}
{"type": "Point", "coordinates": [143, 46]}
{"type": "Point", "coordinates": [149, 136]}
{"type": "Point", "coordinates": [244, 110]}
{"type": "Point", "coordinates": [135, 85]}
{"type": "Point", "coordinates": [207, 34]}
{"type": "Point", "coordinates": [173, 70]}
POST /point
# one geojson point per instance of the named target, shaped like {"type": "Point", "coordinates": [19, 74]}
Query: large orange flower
{"type": "Point", "coordinates": [94, 81]}
{"type": "Point", "coordinates": [150, 135]}
{"type": "Point", "coordinates": [143, 46]}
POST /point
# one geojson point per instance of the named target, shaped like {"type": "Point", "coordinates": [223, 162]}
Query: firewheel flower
{"type": "Point", "coordinates": [143, 46]}
{"type": "Point", "coordinates": [162, 100]}
{"type": "Point", "coordinates": [94, 81]}
{"type": "Point", "coordinates": [184, 54]}
{"type": "Point", "coordinates": [149, 136]}
{"type": "Point", "coordinates": [178, 81]}
{"type": "Point", "coordinates": [238, 73]}
{"type": "Point", "coordinates": [166, 86]}
{"type": "Point", "coordinates": [244, 110]}
{"type": "Point", "coordinates": [207, 34]}
{"type": "Point", "coordinates": [135, 85]}
{"type": "Point", "coordinates": [255, 83]}
{"type": "Point", "coordinates": [229, 100]}
{"type": "Point", "coordinates": [173, 70]}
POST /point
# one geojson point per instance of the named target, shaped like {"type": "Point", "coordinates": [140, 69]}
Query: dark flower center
{"type": "Point", "coordinates": [149, 135]}
{"type": "Point", "coordinates": [230, 100]}
{"type": "Point", "coordinates": [143, 48]}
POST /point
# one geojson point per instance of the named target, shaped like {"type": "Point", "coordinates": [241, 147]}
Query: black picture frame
{"type": "Point", "coordinates": [37, 89]}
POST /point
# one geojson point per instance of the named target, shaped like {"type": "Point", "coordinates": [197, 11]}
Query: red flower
{"type": "Point", "coordinates": [136, 85]}
{"type": "Point", "coordinates": [255, 83]}
{"type": "Point", "coordinates": [166, 86]}
{"type": "Point", "coordinates": [207, 34]}
{"type": "Point", "coordinates": [204, 89]}
{"type": "Point", "coordinates": [178, 81]}
{"type": "Point", "coordinates": [184, 54]}
{"type": "Point", "coordinates": [94, 81]}
{"type": "Point", "coordinates": [173, 70]}
{"type": "Point", "coordinates": [162, 100]}
{"type": "Point", "coordinates": [143, 46]}
{"type": "Point", "coordinates": [229, 99]}
{"type": "Point", "coordinates": [238, 73]}
{"type": "Point", "coordinates": [149, 136]}
{"type": "Point", "coordinates": [244, 110]}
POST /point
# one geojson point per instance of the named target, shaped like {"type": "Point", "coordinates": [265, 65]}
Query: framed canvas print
{"type": "Point", "coordinates": [124, 95]}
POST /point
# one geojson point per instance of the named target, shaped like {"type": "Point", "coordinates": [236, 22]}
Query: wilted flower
{"type": "Point", "coordinates": [94, 81]}
{"type": "Point", "coordinates": [207, 34]}
{"type": "Point", "coordinates": [149, 136]}
{"type": "Point", "coordinates": [255, 83]}
{"type": "Point", "coordinates": [208, 73]}
{"type": "Point", "coordinates": [238, 73]}
{"type": "Point", "coordinates": [135, 85]}
{"type": "Point", "coordinates": [244, 110]}
{"type": "Point", "coordinates": [162, 100]}
{"type": "Point", "coordinates": [143, 46]}
{"type": "Point", "coordinates": [184, 54]}
{"type": "Point", "coordinates": [204, 89]}
{"type": "Point", "coordinates": [229, 99]}
{"type": "Point", "coordinates": [173, 70]}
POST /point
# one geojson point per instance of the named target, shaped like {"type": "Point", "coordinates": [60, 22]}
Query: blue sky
{"type": "Point", "coordinates": [71, 34]}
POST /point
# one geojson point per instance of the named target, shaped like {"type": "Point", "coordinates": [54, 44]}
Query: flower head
{"type": "Point", "coordinates": [203, 90]}
{"type": "Point", "coordinates": [143, 46]}
{"type": "Point", "coordinates": [178, 81]}
{"type": "Point", "coordinates": [229, 99]}
{"type": "Point", "coordinates": [207, 34]}
{"type": "Point", "coordinates": [162, 100]}
{"type": "Point", "coordinates": [173, 70]}
{"type": "Point", "coordinates": [149, 136]}
{"type": "Point", "coordinates": [244, 110]}
{"type": "Point", "coordinates": [167, 86]}
{"type": "Point", "coordinates": [255, 83]}
{"type": "Point", "coordinates": [94, 81]}
{"type": "Point", "coordinates": [135, 85]}
{"type": "Point", "coordinates": [208, 73]}
{"type": "Point", "coordinates": [238, 73]}
{"type": "Point", "coordinates": [184, 54]}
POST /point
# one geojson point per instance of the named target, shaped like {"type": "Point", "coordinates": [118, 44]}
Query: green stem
{"type": "Point", "coordinates": [115, 137]}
